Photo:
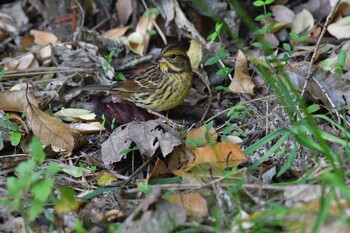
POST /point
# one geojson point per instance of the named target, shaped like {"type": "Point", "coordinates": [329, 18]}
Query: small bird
{"type": "Point", "coordinates": [157, 87]}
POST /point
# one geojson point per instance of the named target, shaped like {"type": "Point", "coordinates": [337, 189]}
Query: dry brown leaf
{"type": "Point", "coordinates": [152, 208]}
{"type": "Point", "coordinates": [124, 10]}
{"type": "Point", "coordinates": [145, 24]}
{"type": "Point", "coordinates": [43, 38]}
{"type": "Point", "coordinates": [88, 128]}
{"type": "Point", "coordinates": [302, 22]}
{"type": "Point", "coordinates": [242, 82]}
{"type": "Point", "coordinates": [198, 135]}
{"type": "Point", "coordinates": [340, 29]}
{"type": "Point", "coordinates": [194, 203]}
{"type": "Point", "coordinates": [116, 33]}
{"type": "Point", "coordinates": [148, 137]}
{"type": "Point", "coordinates": [160, 170]}
{"type": "Point", "coordinates": [48, 129]}
{"type": "Point", "coordinates": [224, 154]}
{"type": "Point", "coordinates": [185, 25]}
{"type": "Point", "coordinates": [195, 53]}
{"type": "Point", "coordinates": [337, 87]}
{"type": "Point", "coordinates": [282, 13]}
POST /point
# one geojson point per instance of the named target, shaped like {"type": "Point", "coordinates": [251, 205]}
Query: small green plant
{"type": "Point", "coordinates": [107, 64]}
{"type": "Point", "coordinates": [294, 40]}
{"type": "Point", "coordinates": [237, 113]}
{"type": "Point", "coordinates": [2, 73]}
{"type": "Point", "coordinates": [145, 188]}
{"type": "Point", "coordinates": [32, 186]}
{"type": "Point", "coordinates": [148, 13]}
{"type": "Point", "coordinates": [340, 62]}
{"type": "Point", "coordinates": [15, 131]}
{"type": "Point", "coordinates": [127, 151]}
{"type": "Point", "coordinates": [221, 54]}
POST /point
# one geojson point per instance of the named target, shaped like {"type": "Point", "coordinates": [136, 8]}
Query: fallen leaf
{"type": "Point", "coordinates": [43, 38]}
{"type": "Point", "coordinates": [185, 25]}
{"type": "Point", "coordinates": [160, 170]}
{"type": "Point", "coordinates": [116, 33]}
{"type": "Point", "coordinates": [195, 53]}
{"type": "Point", "coordinates": [148, 137]}
{"type": "Point", "coordinates": [302, 22]}
{"type": "Point", "coordinates": [105, 179]}
{"type": "Point", "coordinates": [242, 82]}
{"type": "Point", "coordinates": [224, 154]}
{"type": "Point", "coordinates": [88, 128]}
{"type": "Point", "coordinates": [282, 13]}
{"type": "Point", "coordinates": [341, 28]}
{"type": "Point", "coordinates": [124, 10]}
{"type": "Point", "coordinates": [48, 129]}
{"type": "Point", "coordinates": [194, 203]}
{"type": "Point", "coordinates": [199, 136]}
{"type": "Point", "coordinates": [74, 114]}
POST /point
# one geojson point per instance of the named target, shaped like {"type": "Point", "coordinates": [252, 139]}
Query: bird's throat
{"type": "Point", "coordinates": [163, 67]}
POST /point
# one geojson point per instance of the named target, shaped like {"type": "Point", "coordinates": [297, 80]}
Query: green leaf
{"type": "Point", "coordinates": [294, 36]}
{"type": "Point", "coordinates": [26, 168]}
{"type": "Point", "coordinates": [258, 3]}
{"type": "Point", "coordinates": [218, 27]}
{"type": "Point", "coordinates": [3, 72]}
{"type": "Point", "coordinates": [15, 138]}
{"type": "Point", "coordinates": [121, 77]}
{"type": "Point", "coordinates": [151, 32]}
{"type": "Point", "coordinates": [42, 189]}
{"type": "Point", "coordinates": [211, 61]}
{"type": "Point", "coordinates": [209, 126]}
{"type": "Point", "coordinates": [145, 188]}
{"type": "Point", "coordinates": [341, 57]}
{"type": "Point", "coordinates": [212, 37]}
{"type": "Point", "coordinates": [287, 47]}
{"type": "Point", "coordinates": [303, 38]}
{"type": "Point", "coordinates": [260, 31]}
{"type": "Point", "coordinates": [35, 208]}
{"type": "Point", "coordinates": [262, 17]}
{"type": "Point", "coordinates": [268, 2]}
{"type": "Point", "coordinates": [257, 44]}
{"type": "Point", "coordinates": [53, 168]}
{"type": "Point", "coordinates": [151, 11]}
{"type": "Point", "coordinates": [36, 150]}
{"type": "Point", "coordinates": [313, 108]}
{"type": "Point", "coordinates": [67, 201]}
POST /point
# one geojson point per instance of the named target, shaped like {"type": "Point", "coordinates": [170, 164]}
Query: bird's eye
{"type": "Point", "coordinates": [172, 56]}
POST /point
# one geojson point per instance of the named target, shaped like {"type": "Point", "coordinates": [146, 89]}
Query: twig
{"type": "Point", "coordinates": [313, 58]}
{"type": "Point", "coordinates": [156, 25]}
{"type": "Point", "coordinates": [138, 170]}
{"type": "Point", "coordinates": [205, 80]}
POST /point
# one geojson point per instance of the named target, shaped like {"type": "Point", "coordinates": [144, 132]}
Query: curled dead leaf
{"type": "Point", "coordinates": [242, 82]}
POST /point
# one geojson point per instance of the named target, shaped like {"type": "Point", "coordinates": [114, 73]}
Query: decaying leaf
{"type": "Point", "coordinates": [282, 13]}
{"type": "Point", "coordinates": [148, 137]}
{"type": "Point", "coordinates": [242, 82]}
{"type": "Point", "coordinates": [194, 203]}
{"type": "Point", "coordinates": [73, 114]}
{"type": "Point", "coordinates": [24, 62]}
{"type": "Point", "coordinates": [201, 136]}
{"type": "Point", "coordinates": [195, 53]}
{"type": "Point", "coordinates": [116, 33]}
{"type": "Point", "coordinates": [224, 154]}
{"type": "Point", "coordinates": [124, 10]}
{"type": "Point", "coordinates": [185, 25]}
{"type": "Point", "coordinates": [152, 208]}
{"type": "Point", "coordinates": [48, 129]}
{"type": "Point", "coordinates": [337, 87]}
{"type": "Point", "coordinates": [302, 22]}
{"type": "Point", "coordinates": [43, 38]}
{"type": "Point", "coordinates": [341, 28]}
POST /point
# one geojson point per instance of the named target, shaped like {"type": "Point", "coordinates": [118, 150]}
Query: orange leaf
{"type": "Point", "coordinates": [194, 203]}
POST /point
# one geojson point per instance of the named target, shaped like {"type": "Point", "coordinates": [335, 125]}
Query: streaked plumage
{"type": "Point", "coordinates": [158, 87]}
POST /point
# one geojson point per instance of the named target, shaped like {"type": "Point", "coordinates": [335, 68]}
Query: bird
{"type": "Point", "coordinates": [156, 87]}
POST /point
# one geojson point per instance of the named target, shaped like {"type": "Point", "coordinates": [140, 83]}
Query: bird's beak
{"type": "Point", "coordinates": [162, 60]}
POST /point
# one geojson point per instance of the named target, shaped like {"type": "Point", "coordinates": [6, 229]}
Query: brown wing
{"type": "Point", "coordinates": [146, 80]}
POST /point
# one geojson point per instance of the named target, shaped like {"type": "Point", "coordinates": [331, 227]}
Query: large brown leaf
{"type": "Point", "coordinates": [48, 129]}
